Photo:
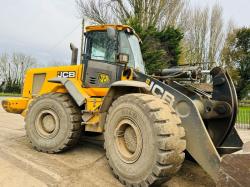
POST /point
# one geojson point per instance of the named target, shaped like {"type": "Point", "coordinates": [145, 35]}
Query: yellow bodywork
{"type": "Point", "coordinates": [93, 105]}
{"type": "Point", "coordinates": [15, 105]}
{"type": "Point", "coordinates": [49, 87]}
{"type": "Point", "coordinates": [94, 96]}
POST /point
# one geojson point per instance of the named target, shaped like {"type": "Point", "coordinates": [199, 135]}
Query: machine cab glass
{"type": "Point", "coordinates": [102, 47]}
{"type": "Point", "coordinates": [101, 67]}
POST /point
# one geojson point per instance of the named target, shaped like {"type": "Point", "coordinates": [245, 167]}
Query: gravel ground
{"type": "Point", "coordinates": [84, 165]}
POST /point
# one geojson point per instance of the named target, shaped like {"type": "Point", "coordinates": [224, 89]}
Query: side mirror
{"type": "Point", "coordinates": [111, 33]}
{"type": "Point", "coordinates": [123, 58]}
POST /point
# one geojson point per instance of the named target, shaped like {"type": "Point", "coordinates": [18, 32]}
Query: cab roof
{"type": "Point", "coordinates": [116, 27]}
{"type": "Point", "coordinates": [104, 27]}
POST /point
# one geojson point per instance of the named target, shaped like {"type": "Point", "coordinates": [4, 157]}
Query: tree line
{"type": "Point", "coordinates": [12, 71]}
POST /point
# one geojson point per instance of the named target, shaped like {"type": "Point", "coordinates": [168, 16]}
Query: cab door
{"type": "Point", "coordinates": [101, 69]}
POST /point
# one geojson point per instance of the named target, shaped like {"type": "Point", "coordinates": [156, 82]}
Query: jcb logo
{"type": "Point", "coordinates": [66, 74]}
{"type": "Point", "coordinates": [103, 78]}
{"type": "Point", "coordinates": [158, 91]}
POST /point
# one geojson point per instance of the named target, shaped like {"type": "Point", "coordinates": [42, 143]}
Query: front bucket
{"type": "Point", "coordinates": [235, 169]}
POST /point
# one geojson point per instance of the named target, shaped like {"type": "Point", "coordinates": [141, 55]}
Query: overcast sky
{"type": "Point", "coordinates": [44, 28]}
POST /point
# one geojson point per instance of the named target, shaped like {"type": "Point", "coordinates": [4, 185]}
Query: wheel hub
{"type": "Point", "coordinates": [128, 141]}
{"type": "Point", "coordinates": [47, 124]}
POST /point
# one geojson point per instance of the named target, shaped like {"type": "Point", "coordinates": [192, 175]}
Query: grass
{"type": "Point", "coordinates": [244, 115]}
{"type": "Point", "coordinates": [10, 95]}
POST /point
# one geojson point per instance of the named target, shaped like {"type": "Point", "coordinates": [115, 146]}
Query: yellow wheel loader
{"type": "Point", "coordinates": [149, 122]}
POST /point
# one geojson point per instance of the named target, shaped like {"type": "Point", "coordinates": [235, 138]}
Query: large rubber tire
{"type": "Point", "coordinates": [150, 153]}
{"type": "Point", "coordinates": [53, 123]}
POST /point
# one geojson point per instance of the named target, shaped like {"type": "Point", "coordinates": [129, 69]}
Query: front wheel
{"type": "Point", "coordinates": [143, 140]}
{"type": "Point", "coordinates": [53, 123]}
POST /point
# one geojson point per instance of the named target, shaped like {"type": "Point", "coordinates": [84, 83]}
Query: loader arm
{"type": "Point", "coordinates": [192, 107]}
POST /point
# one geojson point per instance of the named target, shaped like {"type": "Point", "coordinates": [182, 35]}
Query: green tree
{"type": "Point", "coordinates": [160, 49]}
{"type": "Point", "coordinates": [228, 56]}
{"type": "Point", "coordinates": [242, 49]}
{"type": "Point", "coordinates": [236, 57]}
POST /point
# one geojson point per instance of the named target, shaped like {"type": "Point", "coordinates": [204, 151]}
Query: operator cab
{"type": "Point", "coordinates": [108, 48]}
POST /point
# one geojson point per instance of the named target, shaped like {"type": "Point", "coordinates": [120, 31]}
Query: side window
{"type": "Point", "coordinates": [102, 48]}
{"type": "Point", "coordinates": [126, 48]}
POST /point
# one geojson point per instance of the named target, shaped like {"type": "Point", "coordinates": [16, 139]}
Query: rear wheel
{"type": "Point", "coordinates": [53, 123]}
{"type": "Point", "coordinates": [143, 140]}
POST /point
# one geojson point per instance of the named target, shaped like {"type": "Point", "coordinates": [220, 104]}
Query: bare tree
{"type": "Point", "coordinates": [97, 11]}
{"type": "Point", "coordinates": [157, 13]}
{"type": "Point", "coordinates": [13, 68]}
{"type": "Point", "coordinates": [216, 35]}
{"type": "Point", "coordinates": [4, 67]}
{"type": "Point", "coordinates": [20, 64]}
{"type": "Point", "coordinates": [228, 56]}
{"type": "Point", "coordinates": [196, 31]}
{"type": "Point", "coordinates": [204, 35]}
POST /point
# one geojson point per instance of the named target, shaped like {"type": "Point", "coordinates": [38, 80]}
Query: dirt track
{"type": "Point", "coordinates": [84, 165]}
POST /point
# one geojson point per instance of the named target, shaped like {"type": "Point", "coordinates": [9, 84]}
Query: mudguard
{"type": "Point", "coordinates": [72, 89]}
{"type": "Point", "coordinates": [123, 87]}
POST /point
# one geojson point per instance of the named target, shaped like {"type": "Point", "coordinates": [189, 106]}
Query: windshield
{"type": "Point", "coordinates": [129, 44]}
{"type": "Point", "coordinates": [102, 48]}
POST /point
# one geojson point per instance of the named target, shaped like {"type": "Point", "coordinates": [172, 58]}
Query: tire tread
{"type": "Point", "coordinates": [170, 137]}
{"type": "Point", "coordinates": [74, 114]}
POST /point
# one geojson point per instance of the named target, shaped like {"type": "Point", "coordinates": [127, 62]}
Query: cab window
{"type": "Point", "coordinates": [126, 48]}
{"type": "Point", "coordinates": [129, 44]}
{"type": "Point", "coordinates": [102, 47]}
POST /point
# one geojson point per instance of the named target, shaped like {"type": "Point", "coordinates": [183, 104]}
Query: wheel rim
{"type": "Point", "coordinates": [128, 141]}
{"type": "Point", "coordinates": [47, 124]}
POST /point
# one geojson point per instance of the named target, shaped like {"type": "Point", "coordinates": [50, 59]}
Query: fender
{"type": "Point", "coordinates": [72, 89]}
{"type": "Point", "coordinates": [121, 88]}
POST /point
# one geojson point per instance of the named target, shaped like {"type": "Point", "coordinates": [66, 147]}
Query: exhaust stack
{"type": "Point", "coordinates": [74, 56]}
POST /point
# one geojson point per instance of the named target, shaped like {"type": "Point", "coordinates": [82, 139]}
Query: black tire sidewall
{"type": "Point", "coordinates": [139, 170]}
{"type": "Point", "coordinates": [36, 139]}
